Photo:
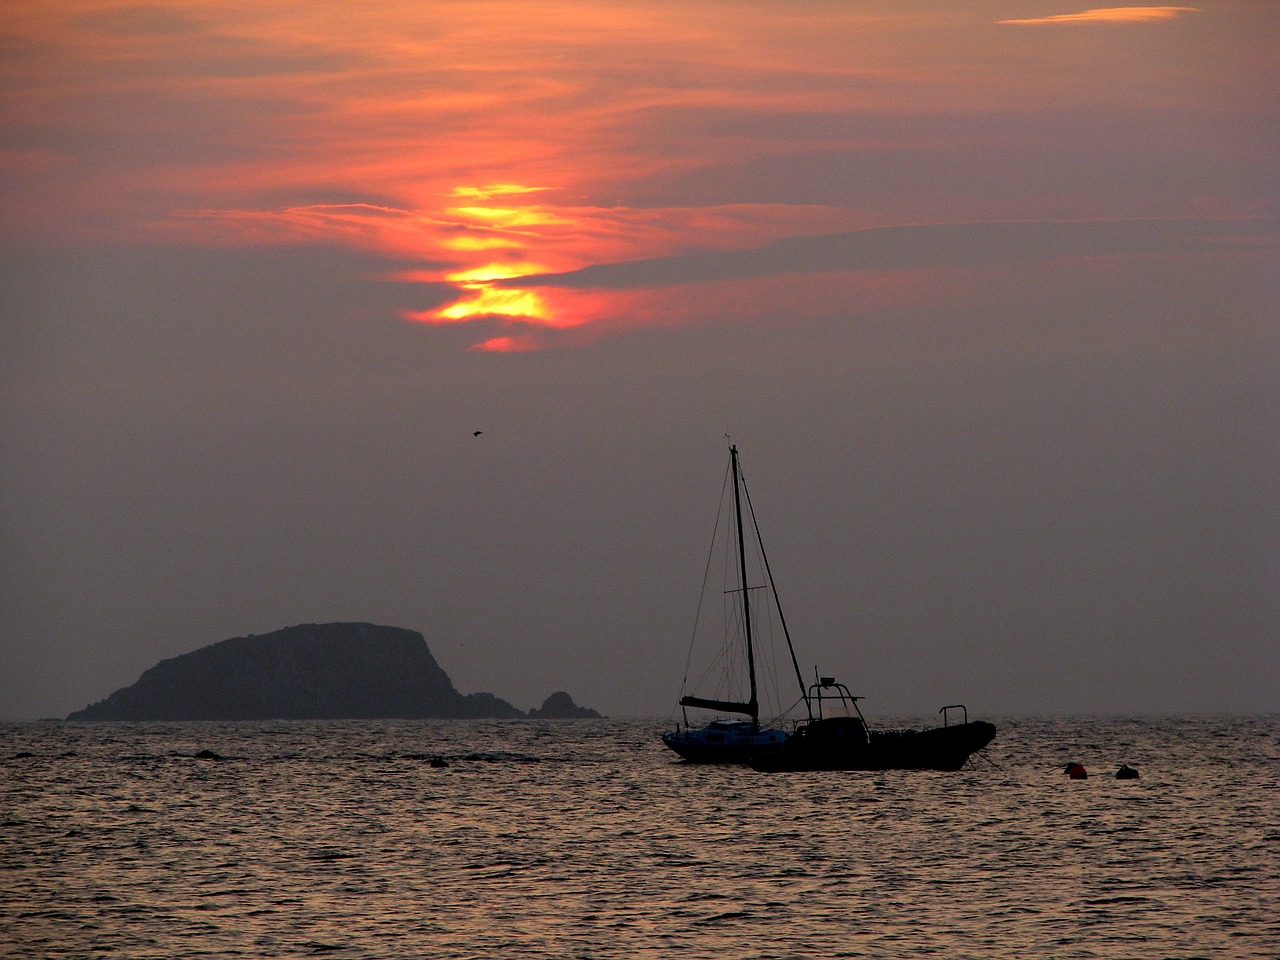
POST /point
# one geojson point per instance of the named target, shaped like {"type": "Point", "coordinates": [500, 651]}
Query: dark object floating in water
{"type": "Point", "coordinates": [439, 762]}
{"type": "Point", "coordinates": [500, 756]}
{"type": "Point", "coordinates": [845, 743]}
{"type": "Point", "coordinates": [208, 755]}
{"type": "Point", "coordinates": [1076, 771]}
{"type": "Point", "coordinates": [1126, 772]}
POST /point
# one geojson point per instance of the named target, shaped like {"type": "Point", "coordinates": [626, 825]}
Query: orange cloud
{"type": "Point", "coordinates": [483, 150]}
{"type": "Point", "coordinates": [484, 248]}
{"type": "Point", "coordinates": [1112, 15]}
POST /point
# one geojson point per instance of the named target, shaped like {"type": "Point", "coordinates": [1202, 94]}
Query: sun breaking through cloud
{"type": "Point", "coordinates": [483, 154]}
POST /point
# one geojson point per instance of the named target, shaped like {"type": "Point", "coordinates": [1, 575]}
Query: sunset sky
{"type": "Point", "coordinates": [986, 292]}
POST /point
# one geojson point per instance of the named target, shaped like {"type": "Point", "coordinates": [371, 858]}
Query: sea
{"type": "Point", "coordinates": [588, 839]}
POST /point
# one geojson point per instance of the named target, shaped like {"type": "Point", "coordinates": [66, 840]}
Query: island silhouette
{"type": "Point", "coordinates": [313, 671]}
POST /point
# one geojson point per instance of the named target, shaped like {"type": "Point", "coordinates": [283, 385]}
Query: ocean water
{"type": "Point", "coordinates": [585, 839]}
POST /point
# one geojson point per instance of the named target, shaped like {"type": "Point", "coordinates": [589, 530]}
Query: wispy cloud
{"type": "Point", "coordinates": [922, 246]}
{"type": "Point", "coordinates": [1111, 15]}
{"type": "Point", "coordinates": [860, 269]}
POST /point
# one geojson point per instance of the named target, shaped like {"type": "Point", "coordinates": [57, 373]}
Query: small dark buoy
{"type": "Point", "coordinates": [439, 762]}
{"type": "Point", "coordinates": [1126, 772]}
{"type": "Point", "coordinates": [207, 755]}
{"type": "Point", "coordinates": [1076, 771]}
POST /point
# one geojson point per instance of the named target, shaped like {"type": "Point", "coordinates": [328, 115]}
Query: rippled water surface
{"type": "Point", "coordinates": [584, 839]}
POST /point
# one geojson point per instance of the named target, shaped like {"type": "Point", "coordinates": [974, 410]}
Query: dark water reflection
{"type": "Point", "coordinates": [584, 839]}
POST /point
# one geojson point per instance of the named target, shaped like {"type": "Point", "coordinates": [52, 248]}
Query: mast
{"type": "Point", "coordinates": [751, 707]}
{"type": "Point", "coordinates": [753, 703]}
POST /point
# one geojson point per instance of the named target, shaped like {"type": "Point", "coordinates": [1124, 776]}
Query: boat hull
{"type": "Point", "coordinates": [845, 744]}
{"type": "Point", "coordinates": [724, 742]}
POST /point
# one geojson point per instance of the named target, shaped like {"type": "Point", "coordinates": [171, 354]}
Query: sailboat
{"type": "Point", "coordinates": [739, 737]}
{"type": "Point", "coordinates": [833, 735]}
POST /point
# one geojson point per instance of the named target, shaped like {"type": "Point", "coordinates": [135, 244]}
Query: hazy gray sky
{"type": "Point", "coordinates": [986, 294]}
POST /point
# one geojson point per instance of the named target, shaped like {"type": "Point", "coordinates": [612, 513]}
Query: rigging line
{"type": "Point", "coordinates": [706, 575]}
{"type": "Point", "coordinates": [782, 619]}
{"type": "Point", "coordinates": [783, 715]}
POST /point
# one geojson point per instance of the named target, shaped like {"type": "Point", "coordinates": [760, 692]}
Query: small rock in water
{"type": "Point", "coordinates": [207, 755]}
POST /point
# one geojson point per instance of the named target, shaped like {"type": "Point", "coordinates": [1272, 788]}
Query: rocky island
{"type": "Point", "coordinates": [314, 671]}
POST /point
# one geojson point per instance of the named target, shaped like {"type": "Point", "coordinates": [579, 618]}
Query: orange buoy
{"type": "Point", "coordinates": [1076, 771]}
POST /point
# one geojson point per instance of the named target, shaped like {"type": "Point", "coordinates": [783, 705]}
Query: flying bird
{"type": "Point", "coordinates": [477, 433]}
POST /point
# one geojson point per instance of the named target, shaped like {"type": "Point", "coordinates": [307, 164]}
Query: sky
{"type": "Point", "coordinates": [986, 293]}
